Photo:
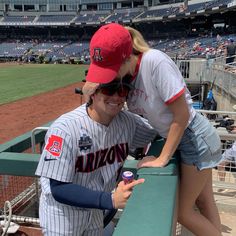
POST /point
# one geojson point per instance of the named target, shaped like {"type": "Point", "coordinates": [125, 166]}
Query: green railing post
{"type": "Point", "coordinates": [151, 209]}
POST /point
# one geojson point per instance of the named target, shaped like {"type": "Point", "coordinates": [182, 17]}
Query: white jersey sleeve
{"type": "Point", "coordinates": [144, 133]}
{"type": "Point", "coordinates": [58, 157]}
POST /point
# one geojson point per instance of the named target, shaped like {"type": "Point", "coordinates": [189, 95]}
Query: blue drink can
{"type": "Point", "coordinates": [127, 177]}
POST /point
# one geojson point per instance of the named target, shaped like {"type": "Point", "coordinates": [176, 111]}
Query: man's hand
{"type": "Point", "coordinates": [123, 192]}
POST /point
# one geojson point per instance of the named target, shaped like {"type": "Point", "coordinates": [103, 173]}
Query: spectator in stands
{"type": "Point", "coordinates": [218, 38]}
{"type": "Point", "coordinates": [208, 57]}
{"type": "Point", "coordinates": [229, 157]}
{"type": "Point", "coordinates": [230, 51]}
{"type": "Point", "coordinates": [162, 97]}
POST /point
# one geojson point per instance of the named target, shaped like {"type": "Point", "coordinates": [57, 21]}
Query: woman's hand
{"type": "Point", "coordinates": [123, 192]}
{"type": "Point", "coordinates": [151, 161]}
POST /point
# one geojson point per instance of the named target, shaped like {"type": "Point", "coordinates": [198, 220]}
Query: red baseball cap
{"type": "Point", "coordinates": [109, 47]}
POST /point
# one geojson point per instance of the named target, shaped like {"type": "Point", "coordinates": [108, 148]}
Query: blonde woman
{"type": "Point", "coordinates": [161, 96]}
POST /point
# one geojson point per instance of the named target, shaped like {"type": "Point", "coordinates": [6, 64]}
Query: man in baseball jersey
{"type": "Point", "coordinates": [84, 152]}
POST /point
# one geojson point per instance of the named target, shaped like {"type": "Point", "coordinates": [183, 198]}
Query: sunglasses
{"type": "Point", "coordinates": [110, 89]}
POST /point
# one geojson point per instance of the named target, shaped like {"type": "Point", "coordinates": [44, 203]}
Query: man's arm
{"type": "Point", "coordinates": [79, 196]}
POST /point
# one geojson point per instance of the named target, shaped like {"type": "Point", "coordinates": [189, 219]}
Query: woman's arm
{"type": "Point", "coordinates": [179, 123]}
{"type": "Point", "coordinates": [179, 109]}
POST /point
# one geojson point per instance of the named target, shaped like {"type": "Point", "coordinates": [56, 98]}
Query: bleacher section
{"type": "Point", "coordinates": [217, 3]}
{"type": "Point", "coordinates": [194, 8]}
{"type": "Point", "coordinates": [180, 10]}
{"type": "Point", "coordinates": [51, 51]}
{"type": "Point", "coordinates": [76, 49]}
{"type": "Point", "coordinates": [125, 15]}
{"type": "Point", "coordinates": [91, 17]}
{"type": "Point", "coordinates": [182, 48]}
{"type": "Point", "coordinates": [55, 19]}
{"type": "Point", "coordinates": [184, 31]}
{"type": "Point", "coordinates": [198, 47]}
{"type": "Point", "coordinates": [18, 19]}
{"type": "Point", "coordinates": [47, 47]}
{"type": "Point", "coordinates": [156, 13]}
{"type": "Point", "coordinates": [72, 51]}
{"type": "Point", "coordinates": [14, 50]}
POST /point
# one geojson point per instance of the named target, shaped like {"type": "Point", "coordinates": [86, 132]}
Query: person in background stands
{"type": "Point", "coordinates": [229, 156]}
{"type": "Point", "coordinates": [230, 51]}
{"type": "Point", "coordinates": [229, 159]}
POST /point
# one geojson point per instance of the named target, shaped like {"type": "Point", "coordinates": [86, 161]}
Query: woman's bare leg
{"type": "Point", "coordinates": [192, 183]}
{"type": "Point", "coordinates": [206, 204]}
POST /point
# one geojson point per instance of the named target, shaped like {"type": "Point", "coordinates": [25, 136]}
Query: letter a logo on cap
{"type": "Point", "coordinates": [97, 54]}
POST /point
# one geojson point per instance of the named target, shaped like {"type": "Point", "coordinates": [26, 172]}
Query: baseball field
{"type": "Point", "coordinates": [25, 80]}
{"type": "Point", "coordinates": [35, 94]}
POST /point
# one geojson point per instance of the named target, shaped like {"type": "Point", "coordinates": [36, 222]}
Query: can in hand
{"type": "Point", "coordinates": [127, 177]}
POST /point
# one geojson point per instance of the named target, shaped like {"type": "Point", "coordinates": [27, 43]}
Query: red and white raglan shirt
{"type": "Point", "coordinates": [157, 84]}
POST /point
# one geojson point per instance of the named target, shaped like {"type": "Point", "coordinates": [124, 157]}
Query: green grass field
{"type": "Point", "coordinates": [21, 81]}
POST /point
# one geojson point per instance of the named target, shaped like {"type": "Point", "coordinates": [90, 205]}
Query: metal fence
{"type": "Point", "coordinates": [224, 175]}
{"type": "Point", "coordinates": [213, 70]}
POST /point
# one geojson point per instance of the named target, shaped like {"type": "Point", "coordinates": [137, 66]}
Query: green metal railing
{"type": "Point", "coordinates": [151, 210]}
{"type": "Point", "coordinates": [13, 160]}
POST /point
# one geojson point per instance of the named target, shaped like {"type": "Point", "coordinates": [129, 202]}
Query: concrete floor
{"type": "Point", "coordinates": [228, 222]}
{"type": "Point", "coordinates": [226, 203]}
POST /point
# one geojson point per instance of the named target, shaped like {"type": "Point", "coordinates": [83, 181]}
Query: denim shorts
{"type": "Point", "coordinates": [200, 145]}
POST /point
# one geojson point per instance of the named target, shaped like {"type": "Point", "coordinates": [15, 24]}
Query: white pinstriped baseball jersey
{"type": "Point", "coordinates": [82, 151]}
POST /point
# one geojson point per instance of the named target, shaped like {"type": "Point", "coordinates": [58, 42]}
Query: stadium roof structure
{"type": "Point", "coordinates": [167, 12]}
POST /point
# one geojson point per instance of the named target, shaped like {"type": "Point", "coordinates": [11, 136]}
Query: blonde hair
{"type": "Point", "coordinates": [139, 43]}
{"type": "Point", "coordinates": [88, 90]}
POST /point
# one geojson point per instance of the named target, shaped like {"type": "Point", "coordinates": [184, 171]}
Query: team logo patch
{"type": "Point", "coordinates": [97, 54]}
{"type": "Point", "coordinates": [85, 142]}
{"type": "Point", "coordinates": [54, 145]}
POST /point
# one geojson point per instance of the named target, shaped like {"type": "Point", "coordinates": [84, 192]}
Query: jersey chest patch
{"type": "Point", "coordinates": [54, 145]}
{"type": "Point", "coordinates": [85, 142]}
